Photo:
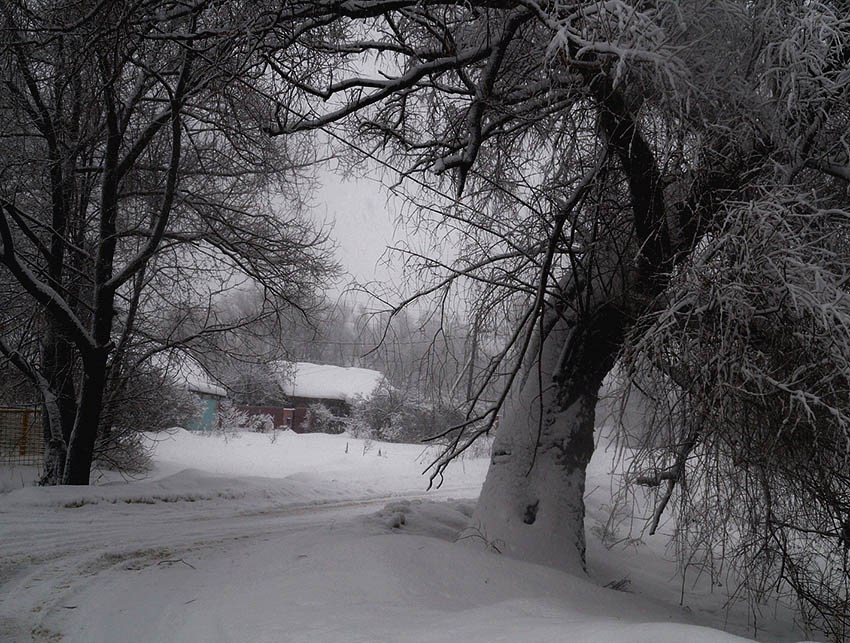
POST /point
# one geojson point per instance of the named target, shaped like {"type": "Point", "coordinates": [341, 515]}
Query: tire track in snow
{"type": "Point", "coordinates": [76, 545]}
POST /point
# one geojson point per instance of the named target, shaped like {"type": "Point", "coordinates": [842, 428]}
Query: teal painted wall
{"type": "Point", "coordinates": [205, 421]}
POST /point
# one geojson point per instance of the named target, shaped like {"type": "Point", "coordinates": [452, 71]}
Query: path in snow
{"type": "Point", "coordinates": [299, 540]}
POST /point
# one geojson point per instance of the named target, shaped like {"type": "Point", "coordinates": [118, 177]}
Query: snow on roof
{"type": "Point", "coordinates": [303, 379]}
{"type": "Point", "coordinates": [185, 371]}
{"type": "Point", "coordinates": [206, 387]}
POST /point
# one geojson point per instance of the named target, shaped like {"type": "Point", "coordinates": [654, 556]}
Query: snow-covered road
{"type": "Point", "coordinates": [307, 538]}
{"type": "Point", "coordinates": [156, 559]}
{"type": "Point", "coordinates": [123, 572]}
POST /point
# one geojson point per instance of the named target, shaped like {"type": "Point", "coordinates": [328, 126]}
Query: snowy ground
{"type": "Point", "coordinates": [298, 540]}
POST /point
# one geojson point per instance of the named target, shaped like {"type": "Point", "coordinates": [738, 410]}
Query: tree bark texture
{"type": "Point", "coordinates": [57, 365]}
{"type": "Point", "coordinates": [532, 503]}
{"type": "Point", "coordinates": [84, 434]}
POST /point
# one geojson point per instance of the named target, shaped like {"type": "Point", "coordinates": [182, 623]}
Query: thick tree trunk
{"type": "Point", "coordinates": [56, 450]}
{"type": "Point", "coordinates": [532, 503]}
{"type": "Point", "coordinates": [59, 402]}
{"type": "Point", "coordinates": [84, 434]}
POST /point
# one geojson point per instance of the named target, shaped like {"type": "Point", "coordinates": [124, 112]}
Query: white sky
{"type": "Point", "coordinates": [363, 225]}
{"type": "Point", "coordinates": [365, 219]}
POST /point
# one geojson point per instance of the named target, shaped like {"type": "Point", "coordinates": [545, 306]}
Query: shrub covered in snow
{"type": "Point", "coordinates": [395, 415]}
{"type": "Point", "coordinates": [229, 419]}
{"type": "Point", "coordinates": [126, 451]}
{"type": "Point", "coordinates": [320, 419]}
{"type": "Point", "coordinates": [261, 423]}
{"type": "Point", "coordinates": [140, 401]}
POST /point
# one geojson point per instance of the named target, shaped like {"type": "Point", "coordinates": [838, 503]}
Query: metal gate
{"type": "Point", "coordinates": [21, 439]}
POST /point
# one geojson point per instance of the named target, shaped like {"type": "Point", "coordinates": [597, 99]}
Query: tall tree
{"type": "Point", "coordinates": [596, 149]}
{"type": "Point", "coordinates": [133, 152]}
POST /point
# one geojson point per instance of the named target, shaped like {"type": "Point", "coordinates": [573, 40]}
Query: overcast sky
{"type": "Point", "coordinates": [363, 225]}
{"type": "Point", "coordinates": [364, 215]}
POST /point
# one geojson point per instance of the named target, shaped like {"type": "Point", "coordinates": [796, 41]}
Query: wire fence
{"type": "Point", "coordinates": [21, 440]}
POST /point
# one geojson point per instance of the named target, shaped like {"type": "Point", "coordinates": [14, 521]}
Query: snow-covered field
{"type": "Point", "coordinates": [314, 538]}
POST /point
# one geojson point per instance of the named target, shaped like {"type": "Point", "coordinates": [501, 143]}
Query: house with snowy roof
{"type": "Point", "coordinates": [335, 387]}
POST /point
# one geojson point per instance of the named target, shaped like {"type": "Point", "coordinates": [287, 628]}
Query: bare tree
{"type": "Point", "coordinates": [134, 153]}
{"type": "Point", "coordinates": [745, 376]}
{"type": "Point", "coordinates": [595, 149]}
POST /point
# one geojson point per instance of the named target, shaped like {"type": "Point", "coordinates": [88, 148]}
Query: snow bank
{"type": "Point", "coordinates": [285, 469]}
{"type": "Point", "coordinates": [17, 477]}
{"type": "Point", "coordinates": [318, 538]}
